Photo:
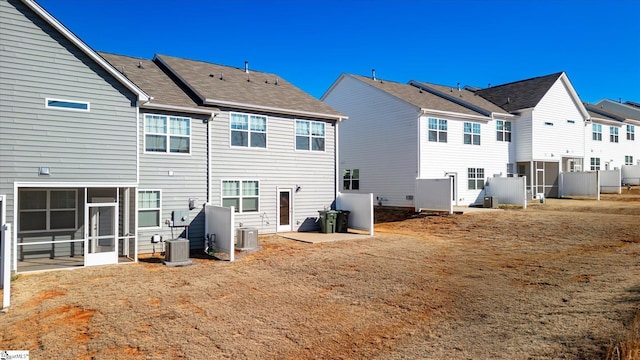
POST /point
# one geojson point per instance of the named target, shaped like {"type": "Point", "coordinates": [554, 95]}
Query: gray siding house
{"type": "Point", "coordinates": [68, 145]}
{"type": "Point", "coordinates": [256, 142]}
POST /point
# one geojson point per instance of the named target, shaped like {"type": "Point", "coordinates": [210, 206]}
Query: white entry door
{"type": "Point", "coordinates": [285, 210]}
{"type": "Point", "coordinates": [101, 234]}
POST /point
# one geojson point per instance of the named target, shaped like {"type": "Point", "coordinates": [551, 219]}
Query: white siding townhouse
{"type": "Point", "coordinates": [399, 132]}
{"type": "Point", "coordinates": [97, 151]}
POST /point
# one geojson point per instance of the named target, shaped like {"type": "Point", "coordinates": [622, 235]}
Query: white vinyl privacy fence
{"type": "Point", "coordinates": [218, 229]}
{"type": "Point", "coordinates": [610, 181]}
{"type": "Point", "coordinates": [579, 184]}
{"type": "Point", "coordinates": [434, 194]}
{"type": "Point", "coordinates": [508, 190]}
{"type": "Point", "coordinates": [361, 210]}
{"type": "Point", "coordinates": [630, 174]}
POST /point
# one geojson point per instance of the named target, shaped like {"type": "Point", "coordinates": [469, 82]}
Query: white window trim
{"type": "Point", "coordinates": [438, 130]}
{"type": "Point", "coordinates": [48, 210]}
{"type": "Point", "coordinates": [592, 163]}
{"type": "Point", "coordinates": [167, 135]}
{"type": "Point", "coordinates": [472, 133]}
{"type": "Point", "coordinates": [47, 106]}
{"type": "Point", "coordinates": [504, 132]}
{"type": "Point", "coordinates": [628, 159]}
{"type": "Point", "coordinates": [614, 133]}
{"type": "Point", "coordinates": [311, 137]}
{"type": "Point", "coordinates": [240, 196]}
{"type": "Point", "coordinates": [138, 208]}
{"type": "Point", "coordinates": [249, 131]}
{"type": "Point", "coordinates": [350, 179]}
{"type": "Point", "coordinates": [598, 131]}
{"type": "Point", "coordinates": [631, 133]}
{"type": "Point", "coordinates": [475, 179]}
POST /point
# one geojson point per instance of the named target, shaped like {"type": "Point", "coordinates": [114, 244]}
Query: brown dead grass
{"type": "Point", "coordinates": [555, 281]}
{"type": "Point", "coordinates": [628, 346]}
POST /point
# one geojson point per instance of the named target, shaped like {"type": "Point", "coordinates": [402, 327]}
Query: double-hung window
{"type": "Point", "coordinates": [503, 130]}
{"type": "Point", "coordinates": [310, 135]}
{"type": "Point", "coordinates": [48, 210]}
{"type": "Point", "coordinates": [613, 134]}
{"type": "Point", "coordinates": [351, 179]}
{"type": "Point", "coordinates": [475, 178]}
{"type": "Point", "coordinates": [248, 130]}
{"type": "Point", "coordinates": [596, 132]}
{"type": "Point", "coordinates": [628, 160]}
{"type": "Point", "coordinates": [631, 132]}
{"type": "Point", "coordinates": [243, 195]}
{"type": "Point", "coordinates": [437, 130]}
{"type": "Point", "coordinates": [167, 134]}
{"type": "Point", "coordinates": [471, 133]}
{"type": "Point", "coordinates": [595, 164]}
{"type": "Point", "coordinates": [149, 208]}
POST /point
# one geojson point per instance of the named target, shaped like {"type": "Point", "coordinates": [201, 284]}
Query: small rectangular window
{"type": "Point", "coordinates": [248, 130]}
{"type": "Point", "coordinates": [310, 135]}
{"type": "Point", "coordinates": [595, 164]}
{"type": "Point", "coordinates": [67, 105]}
{"type": "Point", "coordinates": [510, 169]}
{"type": "Point", "coordinates": [475, 178]}
{"type": "Point", "coordinates": [503, 130]}
{"type": "Point", "coordinates": [548, 123]}
{"type": "Point", "coordinates": [628, 160]}
{"type": "Point", "coordinates": [613, 134]}
{"type": "Point", "coordinates": [167, 134]}
{"type": "Point", "coordinates": [243, 195]}
{"type": "Point", "coordinates": [596, 132]}
{"type": "Point", "coordinates": [149, 208]}
{"type": "Point", "coordinates": [631, 132]}
{"type": "Point", "coordinates": [351, 179]}
{"type": "Point", "coordinates": [471, 133]}
{"type": "Point", "coordinates": [571, 121]}
{"type": "Point", "coordinates": [437, 130]}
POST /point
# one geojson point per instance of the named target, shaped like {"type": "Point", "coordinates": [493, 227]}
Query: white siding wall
{"type": "Point", "coordinates": [79, 147]}
{"type": "Point", "coordinates": [454, 156]}
{"type": "Point", "coordinates": [279, 165]}
{"type": "Point", "coordinates": [523, 135]}
{"type": "Point", "coordinates": [189, 180]}
{"type": "Point", "coordinates": [562, 139]}
{"type": "Point", "coordinates": [379, 139]}
{"type": "Point", "coordinates": [611, 152]}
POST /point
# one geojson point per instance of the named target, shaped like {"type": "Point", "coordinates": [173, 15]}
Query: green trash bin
{"type": "Point", "coordinates": [342, 221]}
{"type": "Point", "coordinates": [328, 221]}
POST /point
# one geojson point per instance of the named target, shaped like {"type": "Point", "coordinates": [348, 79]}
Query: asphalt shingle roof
{"type": "Point", "coordinates": [521, 94]}
{"type": "Point", "coordinates": [221, 85]}
{"type": "Point", "coordinates": [466, 96]}
{"type": "Point", "coordinates": [417, 97]}
{"type": "Point", "coordinates": [151, 79]}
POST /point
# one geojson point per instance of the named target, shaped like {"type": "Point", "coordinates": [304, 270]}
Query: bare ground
{"type": "Point", "coordinates": [559, 280]}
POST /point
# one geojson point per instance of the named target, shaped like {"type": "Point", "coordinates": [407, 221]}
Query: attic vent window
{"type": "Point", "coordinates": [548, 123]}
{"type": "Point", "coordinates": [571, 121]}
{"type": "Point", "coordinates": [67, 105]}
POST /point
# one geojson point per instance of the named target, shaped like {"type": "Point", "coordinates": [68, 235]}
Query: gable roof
{"type": "Point", "coordinates": [417, 97]}
{"type": "Point", "coordinates": [597, 113]}
{"type": "Point", "coordinates": [166, 91]}
{"type": "Point", "coordinates": [37, 9]}
{"type": "Point", "coordinates": [225, 86]}
{"type": "Point", "coordinates": [523, 94]}
{"type": "Point", "coordinates": [462, 96]}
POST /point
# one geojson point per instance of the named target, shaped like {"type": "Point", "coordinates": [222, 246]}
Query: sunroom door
{"type": "Point", "coordinates": [101, 244]}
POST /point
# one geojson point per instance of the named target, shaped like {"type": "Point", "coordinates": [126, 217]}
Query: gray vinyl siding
{"type": "Point", "coordinates": [278, 165]}
{"type": "Point", "coordinates": [36, 62]}
{"type": "Point", "coordinates": [380, 138]}
{"type": "Point", "coordinates": [189, 180]}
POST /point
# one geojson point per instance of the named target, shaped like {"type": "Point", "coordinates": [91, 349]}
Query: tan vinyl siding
{"type": "Point", "coordinates": [189, 180]}
{"type": "Point", "coordinates": [278, 165]}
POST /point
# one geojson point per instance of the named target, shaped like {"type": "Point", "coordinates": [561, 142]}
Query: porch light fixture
{"type": "Point", "coordinates": [44, 171]}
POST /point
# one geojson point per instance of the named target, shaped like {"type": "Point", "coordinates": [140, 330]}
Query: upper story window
{"type": "Point", "coordinates": [475, 178]}
{"type": "Point", "coordinates": [631, 132]}
{"type": "Point", "coordinates": [437, 130]}
{"type": "Point", "coordinates": [243, 195]}
{"type": "Point", "coordinates": [47, 210]}
{"type": "Point", "coordinates": [503, 130]}
{"type": "Point", "coordinates": [310, 135]}
{"type": "Point", "coordinates": [471, 133]}
{"type": "Point", "coordinates": [596, 132]}
{"type": "Point", "coordinates": [248, 130]}
{"type": "Point", "coordinates": [613, 134]}
{"type": "Point", "coordinates": [67, 105]}
{"type": "Point", "coordinates": [351, 179]}
{"type": "Point", "coordinates": [149, 208]}
{"type": "Point", "coordinates": [167, 134]}
{"type": "Point", "coordinates": [595, 164]}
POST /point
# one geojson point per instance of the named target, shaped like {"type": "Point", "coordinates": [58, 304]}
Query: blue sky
{"type": "Point", "coordinates": [310, 43]}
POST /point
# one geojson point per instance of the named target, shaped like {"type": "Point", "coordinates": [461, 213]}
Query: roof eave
{"type": "Point", "coordinates": [142, 96]}
{"type": "Point", "coordinates": [184, 109]}
{"type": "Point", "coordinates": [425, 111]}
{"type": "Point", "coordinates": [233, 104]}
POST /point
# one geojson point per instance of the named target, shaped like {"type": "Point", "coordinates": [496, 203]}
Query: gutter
{"type": "Point", "coordinates": [234, 104]}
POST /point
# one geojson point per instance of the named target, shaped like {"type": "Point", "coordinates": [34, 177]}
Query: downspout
{"type": "Point", "coordinates": [336, 161]}
{"type": "Point", "coordinates": [213, 115]}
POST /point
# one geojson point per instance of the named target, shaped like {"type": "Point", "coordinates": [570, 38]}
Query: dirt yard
{"type": "Point", "coordinates": [559, 280]}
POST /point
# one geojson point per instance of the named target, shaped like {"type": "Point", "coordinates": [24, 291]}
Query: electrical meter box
{"type": "Point", "coordinates": [180, 217]}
